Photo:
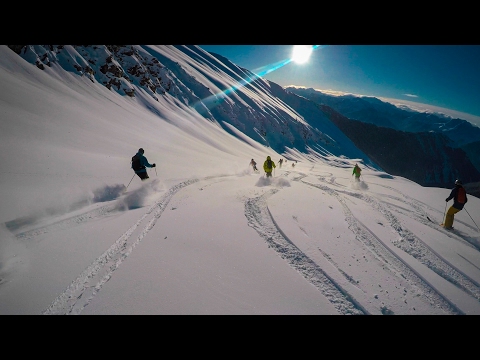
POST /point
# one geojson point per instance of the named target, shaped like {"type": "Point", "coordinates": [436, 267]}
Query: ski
{"type": "Point", "coordinates": [451, 228]}
{"type": "Point", "coordinates": [441, 224]}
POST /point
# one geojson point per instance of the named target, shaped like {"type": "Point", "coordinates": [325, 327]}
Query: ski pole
{"type": "Point", "coordinates": [472, 220]}
{"type": "Point", "coordinates": [130, 182]}
{"type": "Point", "coordinates": [156, 171]}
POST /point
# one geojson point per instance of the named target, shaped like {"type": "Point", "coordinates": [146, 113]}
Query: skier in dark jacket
{"type": "Point", "coordinates": [140, 163]}
{"type": "Point", "coordinates": [254, 165]}
{"type": "Point", "coordinates": [459, 196]}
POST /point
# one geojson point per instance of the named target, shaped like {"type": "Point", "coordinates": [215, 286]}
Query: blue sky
{"type": "Point", "coordinates": [440, 76]}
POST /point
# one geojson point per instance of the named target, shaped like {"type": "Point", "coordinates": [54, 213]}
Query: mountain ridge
{"type": "Point", "coordinates": [373, 110]}
{"type": "Point", "coordinates": [269, 114]}
{"type": "Point", "coordinates": [423, 157]}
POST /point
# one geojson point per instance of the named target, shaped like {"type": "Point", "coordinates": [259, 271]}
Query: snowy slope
{"type": "Point", "coordinates": [205, 234]}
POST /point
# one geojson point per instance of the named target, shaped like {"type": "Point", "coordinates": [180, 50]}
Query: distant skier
{"type": "Point", "coordinates": [268, 166]}
{"type": "Point", "coordinates": [459, 196]}
{"type": "Point", "coordinates": [139, 164]}
{"type": "Point", "coordinates": [280, 162]}
{"type": "Point", "coordinates": [357, 172]}
{"type": "Point", "coordinates": [254, 165]}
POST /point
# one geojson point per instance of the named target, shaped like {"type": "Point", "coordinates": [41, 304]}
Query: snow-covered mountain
{"type": "Point", "coordinates": [423, 157]}
{"type": "Point", "coordinates": [286, 120]}
{"type": "Point", "coordinates": [242, 103]}
{"type": "Point", "coordinates": [375, 111]}
{"type": "Point", "coordinates": [451, 133]}
{"type": "Point", "coordinates": [81, 234]}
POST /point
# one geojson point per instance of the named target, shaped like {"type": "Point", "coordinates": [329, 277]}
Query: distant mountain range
{"type": "Point", "coordinates": [374, 111]}
{"type": "Point", "coordinates": [428, 141]}
{"type": "Point", "coordinates": [428, 149]}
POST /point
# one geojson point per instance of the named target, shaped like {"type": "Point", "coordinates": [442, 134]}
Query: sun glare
{"type": "Point", "coordinates": [301, 53]}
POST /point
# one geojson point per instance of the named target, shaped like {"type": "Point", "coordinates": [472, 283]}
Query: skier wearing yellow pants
{"type": "Point", "coordinates": [459, 196]}
{"type": "Point", "coordinates": [268, 166]}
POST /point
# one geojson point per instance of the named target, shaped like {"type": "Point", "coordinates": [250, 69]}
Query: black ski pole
{"type": "Point", "coordinates": [130, 182]}
{"type": "Point", "coordinates": [156, 171]}
{"type": "Point", "coordinates": [472, 220]}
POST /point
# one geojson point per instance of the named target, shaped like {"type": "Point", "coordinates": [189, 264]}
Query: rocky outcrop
{"type": "Point", "coordinates": [117, 67]}
{"type": "Point", "coordinates": [133, 70]}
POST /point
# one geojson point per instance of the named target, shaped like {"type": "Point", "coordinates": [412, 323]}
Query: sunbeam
{"type": "Point", "coordinates": [215, 99]}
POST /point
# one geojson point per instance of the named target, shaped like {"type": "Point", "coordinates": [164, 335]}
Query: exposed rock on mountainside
{"type": "Point", "coordinates": [243, 100]}
{"type": "Point", "coordinates": [267, 113]}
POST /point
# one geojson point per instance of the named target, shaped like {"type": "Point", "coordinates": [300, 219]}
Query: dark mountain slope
{"type": "Point", "coordinates": [424, 157]}
{"type": "Point", "coordinates": [375, 111]}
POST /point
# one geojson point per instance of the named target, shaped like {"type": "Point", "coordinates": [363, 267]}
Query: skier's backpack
{"type": "Point", "coordinates": [461, 195]}
{"type": "Point", "coordinates": [269, 164]}
{"type": "Point", "coordinates": [136, 164]}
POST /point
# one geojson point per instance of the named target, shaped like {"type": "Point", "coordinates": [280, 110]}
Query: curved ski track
{"type": "Point", "coordinates": [424, 217]}
{"type": "Point", "coordinates": [260, 218]}
{"type": "Point", "coordinates": [433, 260]}
{"type": "Point", "coordinates": [83, 289]}
{"type": "Point", "coordinates": [414, 246]}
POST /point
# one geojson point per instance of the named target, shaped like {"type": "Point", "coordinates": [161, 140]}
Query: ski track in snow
{"type": "Point", "coordinates": [84, 288]}
{"type": "Point", "coordinates": [374, 245]}
{"type": "Point", "coordinates": [424, 217]}
{"type": "Point", "coordinates": [438, 264]}
{"type": "Point", "coordinates": [260, 218]}
{"type": "Point", "coordinates": [409, 243]}
{"type": "Point", "coordinates": [370, 241]}
{"type": "Point", "coordinates": [104, 210]}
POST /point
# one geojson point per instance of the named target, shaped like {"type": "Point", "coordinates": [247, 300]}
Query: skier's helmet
{"type": "Point", "coordinates": [458, 182]}
{"type": "Point", "coordinates": [141, 150]}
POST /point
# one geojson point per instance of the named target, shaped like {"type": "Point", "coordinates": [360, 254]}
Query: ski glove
{"type": "Point", "coordinates": [153, 165]}
{"type": "Point", "coordinates": [446, 200]}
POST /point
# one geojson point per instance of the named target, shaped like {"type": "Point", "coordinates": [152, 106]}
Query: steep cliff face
{"type": "Point", "coordinates": [242, 100]}
{"type": "Point", "coordinates": [425, 158]}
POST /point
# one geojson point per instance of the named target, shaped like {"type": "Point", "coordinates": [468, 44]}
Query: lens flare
{"type": "Point", "coordinates": [301, 53]}
{"type": "Point", "coordinates": [205, 104]}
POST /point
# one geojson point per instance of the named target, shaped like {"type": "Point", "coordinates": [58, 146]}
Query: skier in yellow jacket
{"type": "Point", "coordinates": [268, 166]}
{"type": "Point", "coordinates": [357, 172]}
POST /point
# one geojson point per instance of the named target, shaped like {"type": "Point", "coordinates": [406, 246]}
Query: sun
{"type": "Point", "coordinates": [301, 53]}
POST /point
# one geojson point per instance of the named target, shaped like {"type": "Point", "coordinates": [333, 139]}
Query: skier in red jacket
{"type": "Point", "coordinates": [459, 196]}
